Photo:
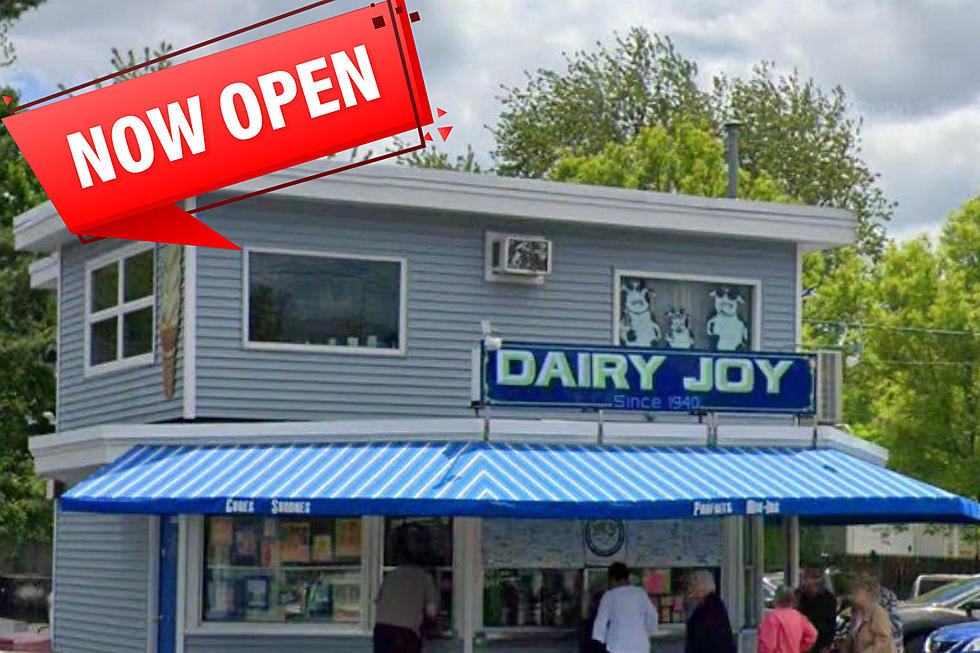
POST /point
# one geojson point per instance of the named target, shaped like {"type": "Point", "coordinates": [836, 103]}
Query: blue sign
{"type": "Point", "coordinates": [649, 380]}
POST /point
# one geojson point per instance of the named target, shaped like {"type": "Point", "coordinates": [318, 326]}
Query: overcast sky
{"type": "Point", "coordinates": [910, 67]}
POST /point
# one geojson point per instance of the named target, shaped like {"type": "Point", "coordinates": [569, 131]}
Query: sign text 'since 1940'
{"type": "Point", "coordinates": [647, 379]}
{"type": "Point", "coordinates": [114, 160]}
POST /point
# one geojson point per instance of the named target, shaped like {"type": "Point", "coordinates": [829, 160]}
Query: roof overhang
{"type": "Point", "coordinates": [41, 229]}
{"type": "Point", "coordinates": [70, 455]}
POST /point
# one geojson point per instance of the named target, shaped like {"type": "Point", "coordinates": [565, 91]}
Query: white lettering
{"type": "Point", "coordinates": [170, 134]}
{"type": "Point", "coordinates": [609, 366]}
{"type": "Point", "coordinates": [555, 366]}
{"type": "Point", "coordinates": [121, 145]}
{"type": "Point", "coordinates": [312, 89]}
{"type": "Point", "coordinates": [774, 375]}
{"type": "Point", "coordinates": [240, 506]}
{"type": "Point", "coordinates": [347, 72]}
{"type": "Point", "coordinates": [723, 380]}
{"type": "Point", "coordinates": [646, 368]}
{"type": "Point", "coordinates": [274, 101]}
{"type": "Point", "coordinates": [84, 155]}
{"type": "Point", "coordinates": [526, 366]}
{"type": "Point", "coordinates": [290, 507]}
{"type": "Point", "coordinates": [252, 110]}
{"type": "Point", "coordinates": [704, 381]}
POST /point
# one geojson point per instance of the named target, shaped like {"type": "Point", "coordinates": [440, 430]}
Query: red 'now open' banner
{"type": "Point", "coordinates": [113, 161]}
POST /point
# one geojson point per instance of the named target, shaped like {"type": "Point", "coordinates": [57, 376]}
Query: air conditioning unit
{"type": "Point", "coordinates": [830, 377]}
{"type": "Point", "coordinates": [517, 258]}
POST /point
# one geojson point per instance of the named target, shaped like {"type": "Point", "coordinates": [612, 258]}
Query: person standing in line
{"type": "Point", "coordinates": [626, 619]}
{"type": "Point", "coordinates": [819, 605]}
{"type": "Point", "coordinates": [870, 630]}
{"type": "Point", "coordinates": [708, 627]}
{"type": "Point", "coordinates": [407, 596]}
{"type": "Point", "coordinates": [784, 630]}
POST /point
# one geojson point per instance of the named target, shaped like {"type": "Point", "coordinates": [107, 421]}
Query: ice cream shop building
{"type": "Point", "coordinates": [540, 378]}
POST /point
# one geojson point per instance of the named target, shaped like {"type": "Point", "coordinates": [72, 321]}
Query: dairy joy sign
{"type": "Point", "coordinates": [650, 380]}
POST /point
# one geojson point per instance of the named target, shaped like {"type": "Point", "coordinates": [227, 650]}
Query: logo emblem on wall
{"type": "Point", "coordinates": [605, 537]}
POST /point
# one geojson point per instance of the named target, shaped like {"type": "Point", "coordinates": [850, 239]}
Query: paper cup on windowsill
{"type": "Point", "coordinates": [372, 341]}
{"type": "Point", "coordinates": [353, 341]}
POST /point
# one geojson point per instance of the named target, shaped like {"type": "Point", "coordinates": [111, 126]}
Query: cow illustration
{"type": "Point", "coordinates": [679, 334]}
{"type": "Point", "coordinates": [637, 326]}
{"type": "Point", "coordinates": [726, 325]}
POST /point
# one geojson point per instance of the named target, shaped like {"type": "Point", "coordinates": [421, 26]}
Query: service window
{"type": "Point", "coordinates": [434, 538]}
{"type": "Point", "coordinates": [119, 308]}
{"type": "Point", "coordinates": [273, 570]}
{"type": "Point", "coordinates": [341, 303]}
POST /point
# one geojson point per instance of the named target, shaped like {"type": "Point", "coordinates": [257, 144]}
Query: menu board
{"type": "Point", "coordinates": [532, 543]}
{"type": "Point", "coordinates": [559, 544]}
{"type": "Point", "coordinates": [674, 543]}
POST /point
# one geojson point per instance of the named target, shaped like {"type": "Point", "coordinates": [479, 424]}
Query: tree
{"type": "Point", "coordinates": [798, 134]}
{"type": "Point", "coordinates": [27, 386]}
{"type": "Point", "coordinates": [432, 158]}
{"type": "Point", "coordinates": [688, 159]}
{"type": "Point", "coordinates": [11, 10]}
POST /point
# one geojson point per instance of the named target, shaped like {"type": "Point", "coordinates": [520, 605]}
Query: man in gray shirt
{"type": "Point", "coordinates": [408, 595]}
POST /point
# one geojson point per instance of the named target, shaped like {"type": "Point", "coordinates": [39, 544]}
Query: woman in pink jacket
{"type": "Point", "coordinates": [784, 630]}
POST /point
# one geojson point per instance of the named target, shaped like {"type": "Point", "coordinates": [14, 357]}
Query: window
{"type": "Point", "coordinates": [275, 570]}
{"type": "Point", "coordinates": [331, 302]}
{"type": "Point", "coordinates": [434, 538]}
{"type": "Point", "coordinates": [661, 311]}
{"type": "Point", "coordinates": [119, 310]}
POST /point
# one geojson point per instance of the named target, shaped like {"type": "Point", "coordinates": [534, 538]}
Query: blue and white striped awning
{"type": "Point", "coordinates": [512, 480]}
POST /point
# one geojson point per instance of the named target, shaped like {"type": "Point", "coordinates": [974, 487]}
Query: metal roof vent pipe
{"type": "Point", "coordinates": [731, 154]}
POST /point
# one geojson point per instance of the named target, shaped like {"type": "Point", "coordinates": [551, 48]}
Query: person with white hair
{"type": "Point", "coordinates": [708, 627]}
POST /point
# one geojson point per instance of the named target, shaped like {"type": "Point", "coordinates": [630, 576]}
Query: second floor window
{"type": "Point", "coordinates": [119, 309]}
{"type": "Point", "coordinates": [341, 303]}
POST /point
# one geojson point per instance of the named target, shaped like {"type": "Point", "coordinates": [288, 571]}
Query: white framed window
{"type": "Point", "coordinates": [120, 318]}
{"type": "Point", "coordinates": [673, 311]}
{"type": "Point", "coordinates": [317, 301]}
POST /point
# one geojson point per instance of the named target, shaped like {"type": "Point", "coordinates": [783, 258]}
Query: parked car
{"type": "Point", "coordinates": [949, 604]}
{"type": "Point", "coordinates": [928, 582]}
{"type": "Point", "coordinates": [960, 638]}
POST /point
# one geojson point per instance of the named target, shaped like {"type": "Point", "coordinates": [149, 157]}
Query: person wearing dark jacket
{"type": "Point", "coordinates": [708, 628]}
{"type": "Point", "coordinates": [819, 605]}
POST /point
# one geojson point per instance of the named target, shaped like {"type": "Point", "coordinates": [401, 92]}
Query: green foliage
{"type": "Point", "coordinates": [801, 136]}
{"type": "Point", "coordinates": [807, 139]}
{"type": "Point", "coordinates": [27, 386]}
{"type": "Point", "coordinates": [432, 158]}
{"type": "Point", "coordinates": [10, 10]}
{"type": "Point", "coordinates": [129, 60]}
{"type": "Point", "coordinates": [688, 159]}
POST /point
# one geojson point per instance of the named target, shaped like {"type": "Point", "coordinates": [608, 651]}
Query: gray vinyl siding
{"type": "Point", "coordinates": [447, 299]}
{"type": "Point", "coordinates": [131, 395]}
{"type": "Point", "coordinates": [101, 572]}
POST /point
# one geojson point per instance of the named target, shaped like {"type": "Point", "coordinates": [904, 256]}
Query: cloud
{"type": "Point", "coordinates": [909, 67]}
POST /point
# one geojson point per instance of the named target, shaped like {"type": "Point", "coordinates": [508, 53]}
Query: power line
{"type": "Point", "coordinates": [903, 329]}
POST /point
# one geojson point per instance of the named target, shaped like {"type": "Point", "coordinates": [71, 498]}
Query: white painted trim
{"type": "Point", "coordinates": [180, 610]}
{"type": "Point", "coordinates": [153, 583]}
{"type": "Point", "coordinates": [247, 343]}
{"type": "Point", "coordinates": [189, 332]}
{"type": "Point", "coordinates": [41, 229]}
{"type": "Point", "coordinates": [756, 284]}
{"type": "Point", "coordinates": [117, 256]}
{"type": "Point", "coordinates": [798, 326]}
{"type": "Point", "coordinates": [44, 272]}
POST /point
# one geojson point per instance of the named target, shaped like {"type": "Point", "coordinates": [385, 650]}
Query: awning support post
{"type": "Point", "coordinates": [712, 420]}
{"type": "Point", "coordinates": [601, 431]}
